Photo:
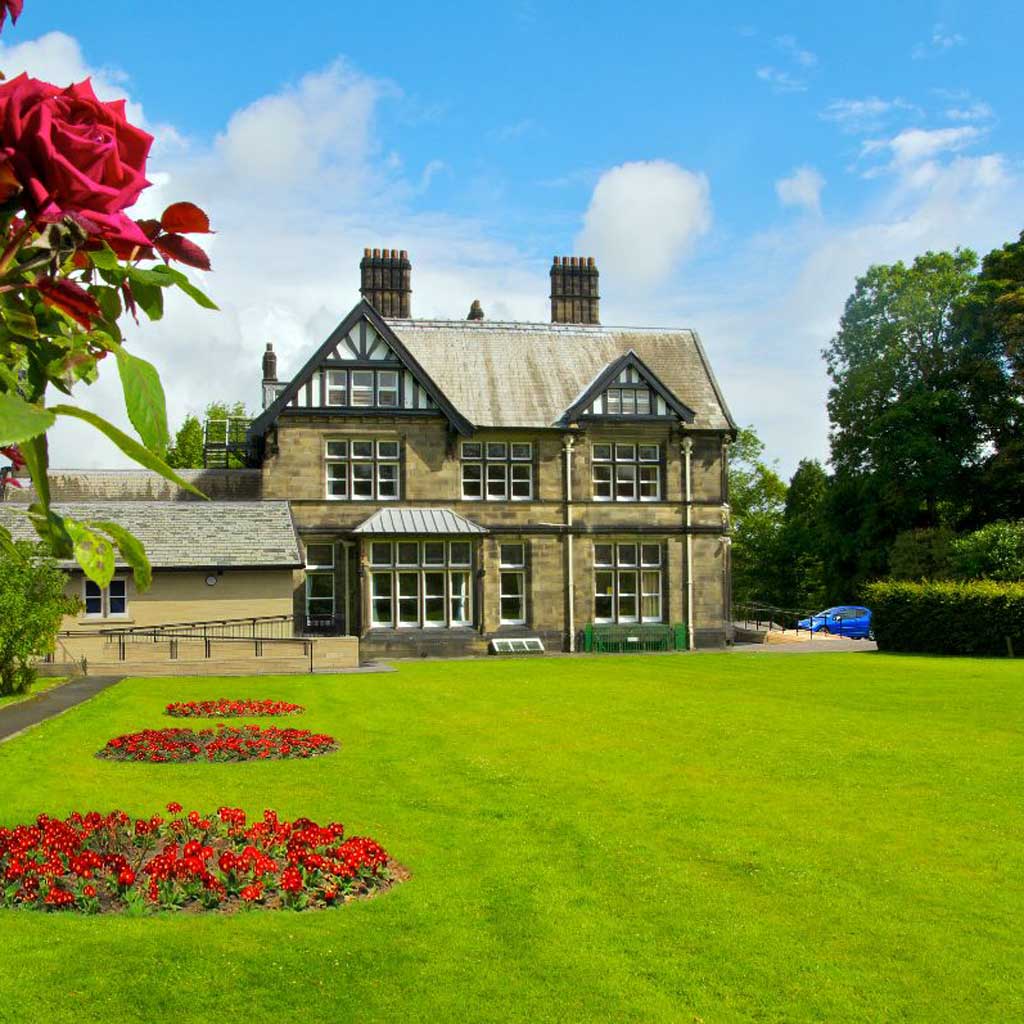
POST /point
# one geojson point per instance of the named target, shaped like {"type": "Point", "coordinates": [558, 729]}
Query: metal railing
{"type": "Point", "coordinates": [255, 627]}
{"type": "Point", "coordinates": [602, 638]}
{"type": "Point", "coordinates": [123, 640]}
{"type": "Point", "coordinates": [771, 618]}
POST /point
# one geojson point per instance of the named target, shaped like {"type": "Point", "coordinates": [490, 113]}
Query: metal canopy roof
{"type": "Point", "coordinates": [418, 521]}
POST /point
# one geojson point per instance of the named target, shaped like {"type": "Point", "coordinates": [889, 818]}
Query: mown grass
{"type": "Point", "coordinates": [719, 838]}
{"type": "Point", "coordinates": [41, 685]}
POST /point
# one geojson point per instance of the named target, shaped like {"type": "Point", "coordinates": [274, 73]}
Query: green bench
{"type": "Point", "coordinates": [600, 638]}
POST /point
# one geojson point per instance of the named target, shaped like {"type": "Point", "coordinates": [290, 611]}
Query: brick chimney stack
{"type": "Point", "coordinates": [575, 297]}
{"type": "Point", "coordinates": [269, 375]}
{"type": "Point", "coordinates": [385, 281]}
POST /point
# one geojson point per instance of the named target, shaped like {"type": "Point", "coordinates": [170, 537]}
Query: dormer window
{"type": "Point", "coordinates": [362, 389]}
{"type": "Point", "coordinates": [628, 401]}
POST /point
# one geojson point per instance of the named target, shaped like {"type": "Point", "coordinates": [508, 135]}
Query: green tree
{"type": "Point", "coordinates": [921, 554]}
{"type": "Point", "coordinates": [995, 552]}
{"type": "Point", "coordinates": [757, 496]}
{"type": "Point", "coordinates": [32, 606]}
{"type": "Point", "coordinates": [187, 450]}
{"type": "Point", "coordinates": [992, 316]}
{"type": "Point", "coordinates": [802, 539]}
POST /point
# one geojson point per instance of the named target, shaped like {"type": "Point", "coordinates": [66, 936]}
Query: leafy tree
{"type": "Point", "coordinates": [32, 606]}
{"type": "Point", "coordinates": [921, 554]}
{"type": "Point", "coordinates": [995, 552]}
{"type": "Point", "coordinates": [803, 538]}
{"type": "Point", "coordinates": [992, 316]}
{"type": "Point", "coordinates": [903, 403]}
{"type": "Point", "coordinates": [187, 450]}
{"type": "Point", "coordinates": [757, 497]}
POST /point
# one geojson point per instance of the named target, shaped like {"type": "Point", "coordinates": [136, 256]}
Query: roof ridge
{"type": "Point", "coordinates": [534, 326]}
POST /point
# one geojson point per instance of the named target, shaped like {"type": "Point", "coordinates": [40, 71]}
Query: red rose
{"type": "Point", "coordinates": [74, 154]}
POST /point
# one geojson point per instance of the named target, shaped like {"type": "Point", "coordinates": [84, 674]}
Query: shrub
{"type": "Point", "coordinates": [96, 863]}
{"type": "Point", "coordinates": [224, 708]}
{"type": "Point", "coordinates": [948, 617]}
{"type": "Point", "coordinates": [32, 606]}
{"type": "Point", "coordinates": [995, 552]}
{"type": "Point", "coordinates": [921, 554]}
{"type": "Point", "coordinates": [225, 743]}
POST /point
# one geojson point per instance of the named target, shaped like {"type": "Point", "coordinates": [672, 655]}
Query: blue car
{"type": "Point", "coordinates": [843, 620]}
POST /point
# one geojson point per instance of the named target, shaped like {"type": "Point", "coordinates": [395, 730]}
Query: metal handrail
{"type": "Point", "coordinates": [251, 628]}
{"type": "Point", "coordinates": [258, 642]}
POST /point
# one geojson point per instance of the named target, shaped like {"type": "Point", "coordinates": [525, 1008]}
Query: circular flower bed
{"type": "Point", "coordinates": [224, 743]}
{"type": "Point", "coordinates": [106, 863]}
{"type": "Point", "coordinates": [224, 708]}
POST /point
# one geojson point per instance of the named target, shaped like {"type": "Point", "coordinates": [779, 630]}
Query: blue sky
{"type": "Point", "coordinates": [732, 167]}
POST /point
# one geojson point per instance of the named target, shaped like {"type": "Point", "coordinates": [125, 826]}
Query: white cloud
{"type": "Point", "coordinates": [789, 45]}
{"type": "Point", "coordinates": [917, 144]}
{"type": "Point", "coordinates": [781, 81]}
{"type": "Point", "coordinates": [643, 219]}
{"type": "Point", "coordinates": [942, 40]}
{"type": "Point", "coordinates": [802, 188]}
{"type": "Point", "coordinates": [976, 111]}
{"type": "Point", "coordinates": [866, 115]}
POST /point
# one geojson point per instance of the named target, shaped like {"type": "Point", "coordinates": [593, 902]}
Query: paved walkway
{"type": "Point", "coordinates": [16, 717]}
{"type": "Point", "coordinates": [834, 645]}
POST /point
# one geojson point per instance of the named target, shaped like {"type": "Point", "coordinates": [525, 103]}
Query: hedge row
{"type": "Point", "coordinates": [948, 618]}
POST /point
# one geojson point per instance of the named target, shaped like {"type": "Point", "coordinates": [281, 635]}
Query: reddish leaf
{"type": "Point", "coordinates": [177, 247]}
{"type": "Point", "coordinates": [185, 217]}
{"type": "Point", "coordinates": [129, 301]}
{"type": "Point", "coordinates": [12, 7]}
{"type": "Point", "coordinates": [65, 295]}
{"type": "Point", "coordinates": [9, 184]}
{"type": "Point", "coordinates": [150, 228]}
{"type": "Point", "coordinates": [13, 452]}
{"type": "Point", "coordinates": [129, 251]}
{"type": "Point", "coordinates": [81, 261]}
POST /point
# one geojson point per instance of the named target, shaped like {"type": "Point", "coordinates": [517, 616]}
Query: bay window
{"type": "Point", "coordinates": [420, 584]}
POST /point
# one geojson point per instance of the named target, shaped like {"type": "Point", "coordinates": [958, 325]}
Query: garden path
{"type": "Point", "coordinates": [15, 718]}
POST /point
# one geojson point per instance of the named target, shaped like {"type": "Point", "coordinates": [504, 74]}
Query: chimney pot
{"type": "Point", "coordinates": [386, 284]}
{"type": "Point", "coordinates": [476, 311]}
{"type": "Point", "coordinates": [574, 290]}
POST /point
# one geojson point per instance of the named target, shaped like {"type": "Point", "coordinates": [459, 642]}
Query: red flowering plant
{"type": "Point", "coordinates": [73, 264]}
{"type": "Point", "coordinates": [106, 863]}
{"type": "Point", "coordinates": [225, 708]}
{"type": "Point", "coordinates": [225, 743]}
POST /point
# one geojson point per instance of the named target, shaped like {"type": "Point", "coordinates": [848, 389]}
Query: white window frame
{"type": "Point", "coordinates": [384, 469]}
{"type": "Point", "coordinates": [511, 566]}
{"type": "Point", "coordinates": [320, 570]}
{"type": "Point", "coordinates": [624, 469]}
{"type": "Point", "coordinates": [105, 597]}
{"type": "Point", "coordinates": [638, 562]}
{"type": "Point", "coordinates": [456, 563]}
{"type": "Point", "coordinates": [508, 465]}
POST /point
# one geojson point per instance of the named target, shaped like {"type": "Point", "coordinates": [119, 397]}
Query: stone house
{"type": "Point", "coordinates": [458, 481]}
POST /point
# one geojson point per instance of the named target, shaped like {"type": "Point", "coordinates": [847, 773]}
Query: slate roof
{"type": "Point", "coordinates": [528, 375]}
{"type": "Point", "coordinates": [419, 521]}
{"type": "Point", "coordinates": [182, 535]}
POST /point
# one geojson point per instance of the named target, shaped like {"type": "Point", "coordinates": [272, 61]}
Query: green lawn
{"type": "Point", "coordinates": [720, 838]}
{"type": "Point", "coordinates": [41, 685]}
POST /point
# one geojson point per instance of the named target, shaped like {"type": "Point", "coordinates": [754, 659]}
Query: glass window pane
{"type": "Point", "coordinates": [387, 389]}
{"type": "Point", "coordinates": [337, 449]}
{"type": "Point", "coordinates": [320, 584]}
{"type": "Point", "coordinates": [362, 388]}
{"type": "Point", "coordinates": [433, 599]}
{"type": "Point", "coordinates": [459, 598]}
{"type": "Point", "coordinates": [387, 480]}
{"type": "Point", "coordinates": [511, 554]}
{"type": "Point", "coordinates": [472, 450]}
{"type": "Point", "coordinates": [649, 452]}
{"type": "Point", "coordinates": [362, 480]}
{"type": "Point", "coordinates": [625, 452]}
{"type": "Point", "coordinates": [408, 598]}
{"type": "Point", "coordinates": [628, 402]}
{"type": "Point", "coordinates": [613, 401]}
{"type": "Point", "coordinates": [408, 552]}
{"type": "Point", "coordinates": [643, 402]}
{"type": "Point", "coordinates": [650, 554]}
{"type": "Point", "coordinates": [602, 483]}
{"type": "Point", "coordinates": [117, 597]}
{"type": "Point", "coordinates": [497, 482]}
{"type": "Point", "coordinates": [472, 480]}
{"type": "Point", "coordinates": [337, 479]}
{"type": "Point", "coordinates": [382, 584]}
{"type": "Point", "coordinates": [362, 449]}
{"type": "Point", "coordinates": [497, 450]}
{"type": "Point", "coordinates": [320, 554]}
{"type": "Point", "coordinates": [337, 387]}
{"type": "Point", "coordinates": [522, 450]}
{"type": "Point", "coordinates": [382, 606]}
{"type": "Point", "coordinates": [380, 553]}
{"type": "Point", "coordinates": [625, 481]}
{"type": "Point", "coordinates": [459, 552]}
{"type": "Point", "coordinates": [650, 480]}
{"type": "Point", "coordinates": [93, 599]}
{"type": "Point", "coordinates": [387, 449]}
{"type": "Point", "coordinates": [320, 607]}
{"type": "Point", "coordinates": [433, 552]}
{"type": "Point", "coordinates": [627, 554]}
{"type": "Point", "coordinates": [602, 452]}
{"type": "Point", "coordinates": [603, 554]}
{"type": "Point", "coordinates": [522, 481]}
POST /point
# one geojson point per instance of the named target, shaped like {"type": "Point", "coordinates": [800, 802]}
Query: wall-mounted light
{"type": "Point", "coordinates": [211, 581]}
